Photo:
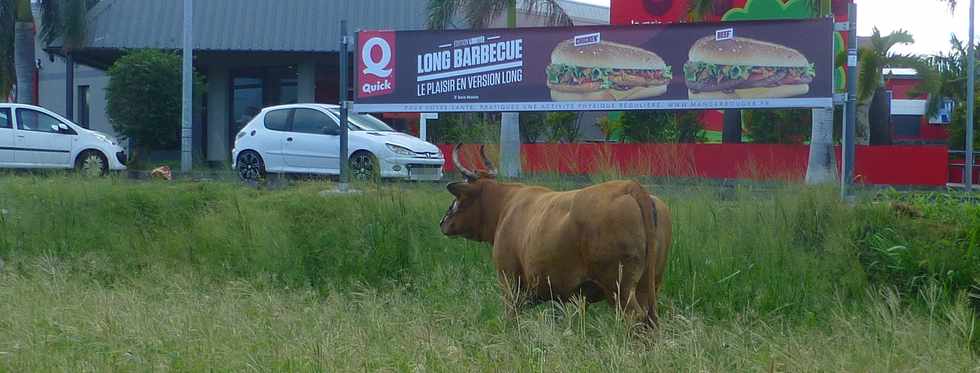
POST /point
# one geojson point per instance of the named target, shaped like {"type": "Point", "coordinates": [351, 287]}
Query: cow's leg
{"type": "Point", "coordinates": [647, 299]}
{"type": "Point", "coordinates": [514, 292]}
{"type": "Point", "coordinates": [619, 282]}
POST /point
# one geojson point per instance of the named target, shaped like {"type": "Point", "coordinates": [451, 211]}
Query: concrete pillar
{"type": "Point", "coordinates": [510, 145]}
{"type": "Point", "coordinates": [306, 81]}
{"type": "Point", "coordinates": [822, 167]}
{"type": "Point", "coordinates": [218, 108]}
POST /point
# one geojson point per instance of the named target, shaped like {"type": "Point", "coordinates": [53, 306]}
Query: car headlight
{"type": "Point", "coordinates": [400, 150]}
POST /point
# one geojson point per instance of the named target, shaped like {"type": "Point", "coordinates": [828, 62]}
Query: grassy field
{"type": "Point", "coordinates": [103, 275]}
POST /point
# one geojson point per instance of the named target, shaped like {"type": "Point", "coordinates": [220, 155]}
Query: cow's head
{"type": "Point", "coordinates": [465, 215]}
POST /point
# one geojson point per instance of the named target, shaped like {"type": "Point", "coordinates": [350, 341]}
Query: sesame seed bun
{"type": "Point", "coordinates": [745, 51]}
{"type": "Point", "coordinates": [606, 55]}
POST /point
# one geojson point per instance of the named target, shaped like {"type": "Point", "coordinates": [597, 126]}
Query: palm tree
{"type": "Point", "coordinates": [478, 14]}
{"type": "Point", "coordinates": [950, 75]}
{"type": "Point", "coordinates": [7, 71]}
{"type": "Point", "coordinates": [17, 49]}
{"type": "Point", "coordinates": [60, 19]}
{"type": "Point", "coordinates": [872, 61]}
{"type": "Point", "coordinates": [66, 19]}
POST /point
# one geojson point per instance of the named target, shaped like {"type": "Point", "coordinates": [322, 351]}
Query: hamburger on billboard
{"type": "Point", "coordinates": [752, 64]}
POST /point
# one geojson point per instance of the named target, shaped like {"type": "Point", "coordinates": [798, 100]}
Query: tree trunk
{"type": "Point", "coordinates": [24, 61]}
{"type": "Point", "coordinates": [732, 131]}
{"type": "Point", "coordinates": [822, 167]}
{"type": "Point", "coordinates": [862, 129]}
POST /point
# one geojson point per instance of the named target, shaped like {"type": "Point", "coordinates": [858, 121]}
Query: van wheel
{"type": "Point", "coordinates": [92, 163]}
{"type": "Point", "coordinates": [364, 166]}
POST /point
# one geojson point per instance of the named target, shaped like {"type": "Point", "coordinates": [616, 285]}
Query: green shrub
{"type": "Point", "coordinates": [957, 127]}
{"type": "Point", "coordinates": [910, 241]}
{"type": "Point", "coordinates": [563, 126]}
{"type": "Point", "coordinates": [782, 126]}
{"type": "Point", "coordinates": [656, 126]}
{"type": "Point", "coordinates": [689, 127]}
{"type": "Point", "coordinates": [468, 128]}
{"type": "Point", "coordinates": [143, 99]}
{"type": "Point", "coordinates": [533, 127]}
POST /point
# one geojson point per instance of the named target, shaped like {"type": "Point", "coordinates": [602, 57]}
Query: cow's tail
{"type": "Point", "coordinates": [654, 216]}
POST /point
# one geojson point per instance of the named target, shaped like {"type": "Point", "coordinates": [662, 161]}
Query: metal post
{"type": "Point", "coordinates": [971, 87]}
{"type": "Point", "coordinates": [850, 114]}
{"type": "Point", "coordinates": [344, 108]}
{"type": "Point", "coordinates": [69, 86]}
{"type": "Point", "coordinates": [187, 88]}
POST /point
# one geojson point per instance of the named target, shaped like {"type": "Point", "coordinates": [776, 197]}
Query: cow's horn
{"type": "Point", "coordinates": [459, 165]}
{"type": "Point", "coordinates": [486, 161]}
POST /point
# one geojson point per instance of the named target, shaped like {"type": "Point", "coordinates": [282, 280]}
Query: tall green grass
{"type": "Point", "coordinates": [110, 274]}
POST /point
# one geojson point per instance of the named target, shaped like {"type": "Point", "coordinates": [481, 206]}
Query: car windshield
{"type": "Point", "coordinates": [364, 122]}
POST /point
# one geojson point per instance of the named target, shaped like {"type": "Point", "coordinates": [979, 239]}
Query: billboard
{"type": "Point", "coordinates": [751, 64]}
{"type": "Point", "coordinates": [634, 12]}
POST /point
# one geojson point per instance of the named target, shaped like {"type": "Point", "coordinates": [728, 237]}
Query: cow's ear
{"type": "Point", "coordinates": [459, 188]}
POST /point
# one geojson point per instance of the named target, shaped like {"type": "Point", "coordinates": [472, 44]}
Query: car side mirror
{"type": "Point", "coordinates": [55, 128]}
{"type": "Point", "coordinates": [62, 127]}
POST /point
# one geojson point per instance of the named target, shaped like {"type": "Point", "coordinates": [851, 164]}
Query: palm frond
{"type": "Point", "coordinates": [74, 18]}
{"type": "Point", "coordinates": [951, 3]}
{"type": "Point", "coordinates": [551, 10]}
{"type": "Point", "coordinates": [479, 13]}
{"type": "Point", "coordinates": [52, 26]}
{"type": "Point", "coordinates": [869, 73]}
{"type": "Point", "coordinates": [441, 13]}
{"type": "Point", "coordinates": [930, 82]}
{"type": "Point", "coordinates": [882, 44]}
{"type": "Point", "coordinates": [65, 19]}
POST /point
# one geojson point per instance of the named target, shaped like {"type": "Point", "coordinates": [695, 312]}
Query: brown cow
{"type": "Point", "coordinates": [608, 241]}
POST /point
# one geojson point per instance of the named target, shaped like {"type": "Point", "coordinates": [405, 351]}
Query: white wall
{"type": "Point", "coordinates": [51, 91]}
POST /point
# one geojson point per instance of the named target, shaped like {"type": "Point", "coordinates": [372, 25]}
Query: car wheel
{"type": "Point", "coordinates": [251, 168]}
{"type": "Point", "coordinates": [92, 163]}
{"type": "Point", "coordinates": [363, 166]}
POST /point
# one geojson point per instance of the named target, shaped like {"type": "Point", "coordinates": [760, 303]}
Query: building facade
{"type": "Point", "coordinates": [251, 53]}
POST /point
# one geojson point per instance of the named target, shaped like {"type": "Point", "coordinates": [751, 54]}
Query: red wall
{"type": "Point", "coordinates": [892, 165]}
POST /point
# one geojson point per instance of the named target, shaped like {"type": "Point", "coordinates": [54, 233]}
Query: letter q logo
{"type": "Point", "coordinates": [378, 67]}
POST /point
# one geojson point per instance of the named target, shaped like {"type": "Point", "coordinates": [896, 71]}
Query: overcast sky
{"type": "Point", "coordinates": [930, 22]}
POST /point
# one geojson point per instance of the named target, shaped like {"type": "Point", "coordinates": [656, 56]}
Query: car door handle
{"type": "Point", "coordinates": [289, 139]}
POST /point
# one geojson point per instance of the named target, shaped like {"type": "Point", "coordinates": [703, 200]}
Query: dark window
{"type": "Point", "coordinates": [83, 108]}
{"type": "Point", "coordinates": [32, 120]}
{"type": "Point", "coordinates": [277, 120]}
{"type": "Point", "coordinates": [313, 121]}
{"type": "Point", "coordinates": [5, 118]}
{"type": "Point", "coordinates": [906, 125]}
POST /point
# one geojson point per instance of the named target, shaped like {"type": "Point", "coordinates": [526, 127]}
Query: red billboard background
{"type": "Point", "coordinates": [628, 12]}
